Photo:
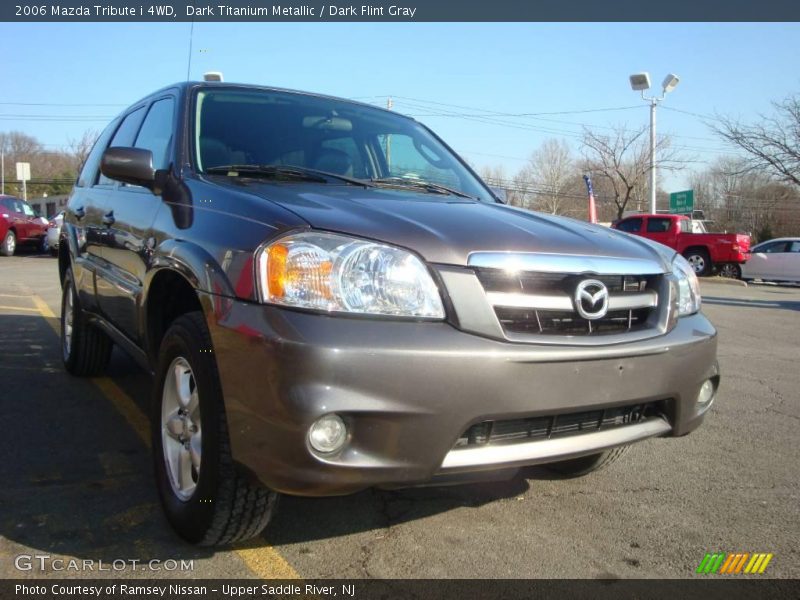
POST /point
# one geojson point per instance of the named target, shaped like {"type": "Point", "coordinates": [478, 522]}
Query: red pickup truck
{"type": "Point", "coordinates": [723, 253]}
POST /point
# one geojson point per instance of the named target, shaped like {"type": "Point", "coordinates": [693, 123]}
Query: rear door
{"type": "Point", "coordinates": [34, 224]}
{"type": "Point", "coordinates": [128, 223]}
{"type": "Point", "coordinates": [793, 260]}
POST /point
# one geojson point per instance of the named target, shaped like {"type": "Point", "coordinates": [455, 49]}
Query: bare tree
{"type": "Point", "coordinates": [621, 160]}
{"type": "Point", "coordinates": [551, 169]}
{"type": "Point", "coordinates": [80, 147]}
{"type": "Point", "coordinates": [773, 144]}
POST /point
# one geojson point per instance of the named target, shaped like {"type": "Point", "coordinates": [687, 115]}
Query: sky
{"type": "Point", "coordinates": [60, 79]}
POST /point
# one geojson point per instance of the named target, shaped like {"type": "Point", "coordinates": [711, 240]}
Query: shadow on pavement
{"type": "Point", "coordinates": [77, 481]}
{"type": "Point", "coordinates": [74, 480]}
{"type": "Point", "coordinates": [743, 302]}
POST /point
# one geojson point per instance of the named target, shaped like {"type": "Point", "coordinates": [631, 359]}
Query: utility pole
{"type": "Point", "coordinates": [3, 169]}
{"type": "Point", "coordinates": [389, 105]}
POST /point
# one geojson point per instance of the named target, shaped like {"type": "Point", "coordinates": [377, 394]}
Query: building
{"type": "Point", "coordinates": [49, 206]}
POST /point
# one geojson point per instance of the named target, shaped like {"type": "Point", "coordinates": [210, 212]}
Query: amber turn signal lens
{"type": "Point", "coordinates": [276, 270]}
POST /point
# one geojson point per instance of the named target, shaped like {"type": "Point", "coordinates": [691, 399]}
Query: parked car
{"type": "Point", "coordinates": [723, 253]}
{"type": "Point", "coordinates": [19, 225]}
{"type": "Point", "coordinates": [774, 260]}
{"type": "Point", "coordinates": [330, 299]}
{"type": "Point", "coordinates": [54, 232]}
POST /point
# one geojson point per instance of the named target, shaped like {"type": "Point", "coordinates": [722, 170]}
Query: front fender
{"type": "Point", "coordinates": [194, 263]}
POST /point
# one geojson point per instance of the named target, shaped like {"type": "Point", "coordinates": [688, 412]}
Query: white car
{"type": "Point", "coordinates": [54, 231]}
{"type": "Point", "coordinates": [774, 260]}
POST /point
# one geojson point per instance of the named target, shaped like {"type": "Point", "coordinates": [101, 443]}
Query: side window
{"type": "Point", "coordinates": [124, 137]}
{"type": "Point", "coordinates": [774, 248]}
{"type": "Point", "coordinates": [405, 159]}
{"type": "Point", "coordinates": [92, 164]}
{"type": "Point", "coordinates": [27, 210]}
{"type": "Point", "coordinates": [685, 226]}
{"type": "Point", "coordinates": [795, 247]}
{"type": "Point", "coordinates": [156, 132]}
{"type": "Point", "coordinates": [657, 225]}
{"type": "Point", "coordinates": [630, 225]}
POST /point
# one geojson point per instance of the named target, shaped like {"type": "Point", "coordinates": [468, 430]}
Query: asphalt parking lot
{"type": "Point", "coordinates": [75, 478]}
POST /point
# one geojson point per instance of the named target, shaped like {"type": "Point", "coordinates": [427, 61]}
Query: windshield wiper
{"type": "Point", "coordinates": [419, 184]}
{"type": "Point", "coordinates": [302, 173]}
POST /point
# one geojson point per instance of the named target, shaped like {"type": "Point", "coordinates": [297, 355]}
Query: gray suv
{"type": "Point", "coordinates": [330, 299]}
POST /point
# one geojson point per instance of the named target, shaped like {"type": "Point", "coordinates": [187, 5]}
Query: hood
{"type": "Point", "coordinates": [446, 229]}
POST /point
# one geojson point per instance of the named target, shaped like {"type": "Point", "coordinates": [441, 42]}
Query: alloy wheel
{"type": "Point", "coordinates": [181, 434]}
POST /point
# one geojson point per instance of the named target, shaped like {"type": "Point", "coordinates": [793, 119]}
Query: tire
{"type": "Point", "coordinates": [9, 245]}
{"type": "Point", "coordinates": [214, 504]}
{"type": "Point", "coordinates": [44, 245]}
{"type": "Point", "coordinates": [730, 270]}
{"type": "Point", "coordinates": [700, 261]}
{"type": "Point", "coordinates": [85, 349]}
{"type": "Point", "coordinates": [578, 467]}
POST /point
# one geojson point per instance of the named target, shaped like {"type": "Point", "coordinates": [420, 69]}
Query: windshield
{"type": "Point", "coordinates": [270, 128]}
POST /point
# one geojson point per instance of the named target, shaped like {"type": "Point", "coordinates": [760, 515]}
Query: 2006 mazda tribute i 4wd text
{"type": "Point", "coordinates": [330, 299]}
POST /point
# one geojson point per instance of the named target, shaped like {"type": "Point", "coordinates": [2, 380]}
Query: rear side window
{"type": "Point", "coordinates": [156, 132]}
{"type": "Point", "coordinates": [630, 225]}
{"type": "Point", "coordinates": [124, 137]}
{"type": "Point", "coordinates": [92, 164]}
{"type": "Point", "coordinates": [658, 225]}
{"type": "Point", "coordinates": [795, 247]}
{"type": "Point", "coordinates": [774, 247]}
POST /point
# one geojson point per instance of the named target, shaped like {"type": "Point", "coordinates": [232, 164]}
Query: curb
{"type": "Point", "coordinates": [724, 281]}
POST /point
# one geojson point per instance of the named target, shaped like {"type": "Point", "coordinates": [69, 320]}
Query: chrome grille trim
{"type": "Point", "coordinates": [563, 302]}
{"type": "Point", "coordinates": [565, 263]}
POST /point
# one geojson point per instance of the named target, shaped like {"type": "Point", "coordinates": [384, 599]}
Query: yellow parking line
{"type": "Point", "coordinates": [41, 305]}
{"type": "Point", "coordinates": [126, 407]}
{"type": "Point", "coordinates": [263, 561]}
{"type": "Point", "coordinates": [22, 308]}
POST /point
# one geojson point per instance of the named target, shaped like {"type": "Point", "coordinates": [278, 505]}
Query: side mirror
{"type": "Point", "coordinates": [499, 193]}
{"type": "Point", "coordinates": [129, 165]}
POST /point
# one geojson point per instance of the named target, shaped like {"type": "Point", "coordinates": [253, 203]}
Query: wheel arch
{"type": "Point", "coordinates": [179, 271]}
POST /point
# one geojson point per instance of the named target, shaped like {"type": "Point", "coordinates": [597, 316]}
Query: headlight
{"type": "Point", "coordinates": [688, 286]}
{"type": "Point", "coordinates": [336, 273]}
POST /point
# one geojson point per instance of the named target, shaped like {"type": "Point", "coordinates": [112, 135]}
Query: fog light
{"type": "Point", "coordinates": [706, 393]}
{"type": "Point", "coordinates": [327, 434]}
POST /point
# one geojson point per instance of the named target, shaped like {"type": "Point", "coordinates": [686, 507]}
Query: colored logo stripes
{"type": "Point", "coordinates": [725, 563]}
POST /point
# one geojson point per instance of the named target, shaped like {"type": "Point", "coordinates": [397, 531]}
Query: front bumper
{"type": "Point", "coordinates": [408, 390]}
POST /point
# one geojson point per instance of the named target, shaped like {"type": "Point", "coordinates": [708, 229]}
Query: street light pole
{"type": "Point", "coordinates": [641, 82]}
{"type": "Point", "coordinates": [653, 104]}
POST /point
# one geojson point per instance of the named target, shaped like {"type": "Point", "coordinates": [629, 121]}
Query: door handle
{"type": "Point", "coordinates": [80, 213]}
{"type": "Point", "coordinates": [108, 219]}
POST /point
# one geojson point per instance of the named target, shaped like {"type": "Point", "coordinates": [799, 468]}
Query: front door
{"type": "Point", "coordinates": [127, 241]}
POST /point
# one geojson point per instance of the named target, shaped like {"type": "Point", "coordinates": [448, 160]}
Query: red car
{"type": "Point", "coordinates": [723, 253]}
{"type": "Point", "coordinates": [20, 225]}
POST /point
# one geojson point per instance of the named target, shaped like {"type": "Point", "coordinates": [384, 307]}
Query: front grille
{"type": "Point", "coordinates": [541, 304]}
{"type": "Point", "coordinates": [555, 426]}
{"type": "Point", "coordinates": [521, 320]}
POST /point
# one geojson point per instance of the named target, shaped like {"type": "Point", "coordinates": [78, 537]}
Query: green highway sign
{"type": "Point", "coordinates": [681, 203]}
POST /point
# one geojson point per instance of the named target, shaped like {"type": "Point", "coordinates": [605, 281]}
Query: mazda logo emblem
{"type": "Point", "coordinates": [591, 299]}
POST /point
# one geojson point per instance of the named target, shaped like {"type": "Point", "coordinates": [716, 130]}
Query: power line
{"type": "Point", "coordinates": [56, 104]}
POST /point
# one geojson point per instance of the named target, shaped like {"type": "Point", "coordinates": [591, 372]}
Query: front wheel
{"type": "Point", "coordinates": [205, 498]}
{"type": "Point", "coordinates": [731, 271]}
{"type": "Point", "coordinates": [9, 245]}
{"type": "Point", "coordinates": [577, 467]}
